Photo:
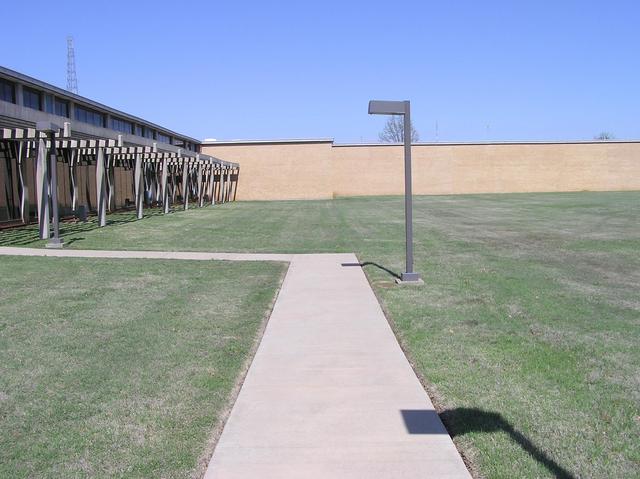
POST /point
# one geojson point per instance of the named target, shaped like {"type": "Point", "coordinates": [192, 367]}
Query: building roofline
{"type": "Point", "coordinates": [81, 99]}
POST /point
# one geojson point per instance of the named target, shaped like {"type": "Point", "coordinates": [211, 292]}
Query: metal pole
{"type": "Point", "coordinates": [409, 274]}
{"type": "Point", "coordinates": [56, 241]}
{"type": "Point", "coordinates": [384, 107]}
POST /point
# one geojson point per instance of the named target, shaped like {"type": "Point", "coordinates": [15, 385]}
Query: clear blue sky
{"type": "Point", "coordinates": [499, 70]}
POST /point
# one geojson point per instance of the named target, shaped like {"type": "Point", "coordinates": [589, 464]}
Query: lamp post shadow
{"type": "Point", "coordinates": [460, 421]}
{"type": "Point", "coordinates": [376, 265]}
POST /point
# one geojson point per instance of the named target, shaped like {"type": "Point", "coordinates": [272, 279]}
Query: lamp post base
{"type": "Point", "coordinates": [55, 243]}
{"type": "Point", "coordinates": [409, 279]}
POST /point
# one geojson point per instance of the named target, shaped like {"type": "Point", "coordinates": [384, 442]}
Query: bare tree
{"type": "Point", "coordinates": [393, 131]}
{"type": "Point", "coordinates": [605, 135]}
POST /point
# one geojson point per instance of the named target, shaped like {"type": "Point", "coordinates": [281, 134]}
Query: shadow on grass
{"type": "Point", "coordinates": [73, 240]}
{"type": "Point", "coordinates": [28, 234]}
{"type": "Point", "coordinates": [461, 421]}
{"type": "Point", "coordinates": [375, 265]}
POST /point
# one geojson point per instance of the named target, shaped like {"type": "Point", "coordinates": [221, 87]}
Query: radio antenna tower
{"type": "Point", "coordinates": [72, 79]}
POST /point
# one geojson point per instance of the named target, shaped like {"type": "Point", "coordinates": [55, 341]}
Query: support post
{"type": "Point", "coordinates": [165, 189]}
{"type": "Point", "coordinates": [153, 180]}
{"type": "Point", "coordinates": [235, 184]}
{"type": "Point", "coordinates": [200, 188]}
{"type": "Point", "coordinates": [185, 182]}
{"type": "Point", "coordinates": [56, 241]}
{"type": "Point", "coordinates": [212, 184]}
{"type": "Point", "coordinates": [174, 188]}
{"type": "Point", "coordinates": [216, 183]}
{"type": "Point", "coordinates": [138, 179]}
{"type": "Point", "coordinates": [109, 176]}
{"type": "Point", "coordinates": [157, 181]}
{"type": "Point", "coordinates": [42, 191]}
{"type": "Point", "coordinates": [73, 173]}
{"type": "Point", "coordinates": [101, 195]}
{"type": "Point", "coordinates": [205, 182]}
{"type": "Point", "coordinates": [24, 185]}
{"type": "Point", "coordinates": [145, 178]}
{"type": "Point", "coordinates": [223, 169]}
{"type": "Point", "coordinates": [228, 192]}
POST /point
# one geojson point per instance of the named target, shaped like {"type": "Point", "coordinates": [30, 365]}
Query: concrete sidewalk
{"type": "Point", "coordinates": [132, 254]}
{"type": "Point", "coordinates": [330, 393]}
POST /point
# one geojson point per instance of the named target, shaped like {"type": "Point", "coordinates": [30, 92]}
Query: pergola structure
{"type": "Point", "coordinates": [100, 174]}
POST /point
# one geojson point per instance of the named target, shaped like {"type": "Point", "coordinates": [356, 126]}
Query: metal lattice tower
{"type": "Point", "coordinates": [72, 79]}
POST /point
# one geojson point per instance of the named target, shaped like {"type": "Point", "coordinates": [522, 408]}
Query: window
{"type": "Point", "coordinates": [119, 124]}
{"type": "Point", "coordinates": [56, 106]}
{"type": "Point", "coordinates": [149, 133]}
{"type": "Point", "coordinates": [31, 98]}
{"type": "Point", "coordinates": [61, 107]}
{"type": "Point", "coordinates": [7, 91]}
{"type": "Point", "coordinates": [162, 138]}
{"type": "Point", "coordinates": [48, 103]}
{"type": "Point", "coordinates": [89, 116]}
{"type": "Point", "coordinates": [138, 130]}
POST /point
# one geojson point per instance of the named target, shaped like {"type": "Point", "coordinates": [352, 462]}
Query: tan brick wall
{"type": "Point", "coordinates": [278, 171]}
{"type": "Point", "coordinates": [320, 170]}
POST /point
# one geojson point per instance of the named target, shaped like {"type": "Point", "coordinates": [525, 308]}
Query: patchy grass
{"type": "Point", "coordinates": [526, 331]}
{"type": "Point", "coordinates": [122, 368]}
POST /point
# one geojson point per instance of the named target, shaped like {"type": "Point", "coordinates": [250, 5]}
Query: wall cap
{"type": "Point", "coordinates": [265, 142]}
{"type": "Point", "coordinates": [489, 143]}
{"type": "Point", "coordinates": [420, 143]}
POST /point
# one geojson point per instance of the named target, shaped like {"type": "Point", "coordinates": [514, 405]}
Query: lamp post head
{"type": "Point", "coordinates": [385, 107]}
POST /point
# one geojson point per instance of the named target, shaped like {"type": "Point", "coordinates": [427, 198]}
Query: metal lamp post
{"type": "Point", "coordinates": [50, 129]}
{"type": "Point", "coordinates": [380, 107]}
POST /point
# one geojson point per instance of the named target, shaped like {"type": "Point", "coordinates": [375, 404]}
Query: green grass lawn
{"type": "Point", "coordinates": [526, 332]}
{"type": "Point", "coordinates": [122, 368]}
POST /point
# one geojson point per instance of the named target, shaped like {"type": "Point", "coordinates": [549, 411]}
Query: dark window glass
{"type": "Point", "coordinates": [31, 98]}
{"type": "Point", "coordinates": [7, 91]}
{"type": "Point", "coordinates": [149, 133]}
{"type": "Point", "coordinates": [89, 116]}
{"type": "Point", "coordinates": [48, 103]}
{"type": "Point", "coordinates": [162, 138]}
{"type": "Point", "coordinates": [61, 107]}
{"type": "Point", "coordinates": [121, 125]}
{"type": "Point", "coordinates": [138, 130]}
